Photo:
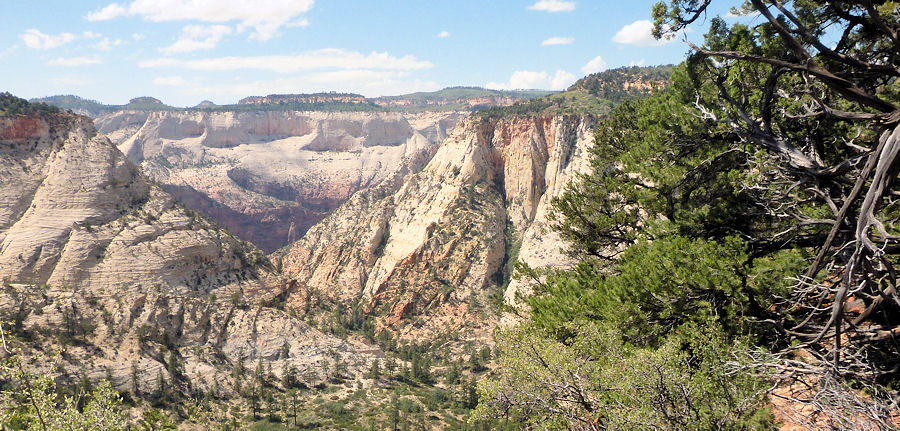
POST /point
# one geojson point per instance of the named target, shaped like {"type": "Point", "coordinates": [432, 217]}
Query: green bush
{"type": "Point", "coordinates": [597, 380]}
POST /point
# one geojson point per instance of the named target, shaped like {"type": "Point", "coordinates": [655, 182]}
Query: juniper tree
{"type": "Point", "coordinates": [822, 118]}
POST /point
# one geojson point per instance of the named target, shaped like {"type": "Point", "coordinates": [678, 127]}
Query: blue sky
{"type": "Point", "coordinates": [185, 51]}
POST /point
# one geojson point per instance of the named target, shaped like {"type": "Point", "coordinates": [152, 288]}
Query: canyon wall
{"type": "Point", "coordinates": [270, 175]}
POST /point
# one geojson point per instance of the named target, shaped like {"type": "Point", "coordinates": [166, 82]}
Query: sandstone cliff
{"type": "Point", "coordinates": [101, 264]}
{"type": "Point", "coordinates": [533, 241]}
{"type": "Point", "coordinates": [425, 249]}
{"type": "Point", "coordinates": [270, 175]}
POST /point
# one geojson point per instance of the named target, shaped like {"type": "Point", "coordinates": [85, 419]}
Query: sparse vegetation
{"type": "Point", "coordinates": [11, 106]}
{"type": "Point", "coordinates": [77, 104]}
{"type": "Point", "coordinates": [595, 94]}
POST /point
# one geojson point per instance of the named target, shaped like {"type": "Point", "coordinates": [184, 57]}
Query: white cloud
{"type": "Point", "coordinates": [352, 75]}
{"type": "Point", "coordinates": [526, 79]}
{"type": "Point", "coordinates": [522, 79]}
{"type": "Point", "coordinates": [298, 23]}
{"type": "Point", "coordinates": [137, 36]}
{"type": "Point", "coordinates": [558, 41]}
{"type": "Point", "coordinates": [174, 81]}
{"type": "Point", "coordinates": [636, 63]}
{"type": "Point", "coordinates": [106, 44]}
{"type": "Point", "coordinates": [265, 17]}
{"type": "Point", "coordinates": [73, 61]}
{"type": "Point", "coordinates": [34, 39]}
{"type": "Point", "coordinates": [197, 37]}
{"type": "Point", "coordinates": [329, 58]}
{"type": "Point", "coordinates": [443, 34]}
{"type": "Point", "coordinates": [598, 64]}
{"type": "Point", "coordinates": [553, 6]}
{"type": "Point", "coordinates": [639, 33]}
{"type": "Point", "coordinates": [111, 11]}
{"type": "Point", "coordinates": [562, 80]}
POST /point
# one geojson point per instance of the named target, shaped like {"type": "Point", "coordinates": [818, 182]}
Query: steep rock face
{"type": "Point", "coordinates": [269, 175]}
{"type": "Point", "coordinates": [101, 263]}
{"type": "Point", "coordinates": [22, 127]}
{"type": "Point", "coordinates": [431, 240]}
{"type": "Point", "coordinates": [537, 244]}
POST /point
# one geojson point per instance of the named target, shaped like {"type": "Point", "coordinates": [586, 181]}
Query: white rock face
{"type": "Point", "coordinates": [270, 175]}
{"type": "Point", "coordinates": [99, 261]}
{"type": "Point", "coordinates": [541, 246]}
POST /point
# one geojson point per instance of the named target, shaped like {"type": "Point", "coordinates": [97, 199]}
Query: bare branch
{"type": "Point", "coordinates": [844, 87]}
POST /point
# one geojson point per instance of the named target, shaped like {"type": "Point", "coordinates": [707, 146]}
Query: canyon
{"type": "Point", "coordinates": [415, 219]}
